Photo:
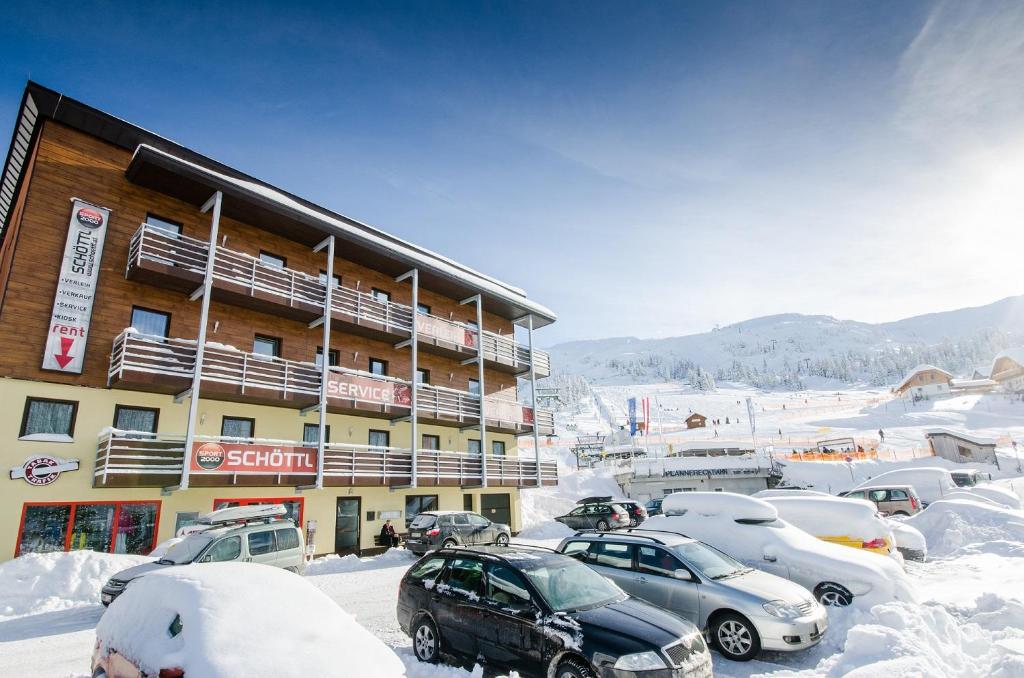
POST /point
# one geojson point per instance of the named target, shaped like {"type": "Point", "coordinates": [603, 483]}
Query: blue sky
{"type": "Point", "coordinates": [650, 170]}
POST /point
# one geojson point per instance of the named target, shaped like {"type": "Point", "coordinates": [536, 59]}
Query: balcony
{"type": "Point", "coordinates": [124, 459]}
{"type": "Point", "coordinates": [159, 257]}
{"type": "Point", "coordinates": [156, 364]}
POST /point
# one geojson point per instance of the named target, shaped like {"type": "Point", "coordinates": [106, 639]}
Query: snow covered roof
{"type": "Point", "coordinates": [1014, 354]}
{"type": "Point", "coordinates": [969, 437]}
{"type": "Point", "coordinates": [971, 383]}
{"type": "Point", "coordinates": [924, 367]}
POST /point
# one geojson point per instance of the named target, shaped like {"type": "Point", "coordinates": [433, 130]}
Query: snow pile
{"type": "Point", "coordinates": [952, 526]}
{"type": "Point", "coordinates": [541, 505]}
{"type": "Point", "coordinates": [45, 582]}
{"type": "Point", "coordinates": [333, 563]}
{"type": "Point", "coordinates": [828, 516]}
{"type": "Point", "coordinates": [998, 494]}
{"type": "Point", "coordinates": [290, 627]}
{"type": "Point", "coordinates": [547, 530]}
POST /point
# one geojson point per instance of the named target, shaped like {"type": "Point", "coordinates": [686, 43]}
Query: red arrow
{"type": "Point", "coordinates": [63, 358]}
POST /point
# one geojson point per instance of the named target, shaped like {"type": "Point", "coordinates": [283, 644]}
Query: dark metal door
{"type": "Point", "coordinates": [497, 508]}
{"type": "Point", "coordinates": [347, 526]}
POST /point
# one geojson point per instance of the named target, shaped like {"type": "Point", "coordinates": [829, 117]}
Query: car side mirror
{"type": "Point", "coordinates": [682, 575]}
{"type": "Point", "coordinates": [770, 558]}
{"type": "Point", "coordinates": [205, 559]}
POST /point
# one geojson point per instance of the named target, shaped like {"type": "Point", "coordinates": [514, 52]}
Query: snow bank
{"type": "Point", "coordinates": [541, 505]}
{"type": "Point", "coordinates": [290, 627]}
{"type": "Point", "coordinates": [549, 530]}
{"type": "Point", "coordinates": [46, 582]}
{"type": "Point", "coordinates": [952, 526]}
{"type": "Point", "coordinates": [998, 494]}
{"type": "Point", "coordinates": [333, 563]}
{"type": "Point", "coordinates": [768, 494]}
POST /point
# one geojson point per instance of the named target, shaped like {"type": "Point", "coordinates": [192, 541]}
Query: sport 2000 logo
{"type": "Point", "coordinates": [89, 218]}
{"type": "Point", "coordinates": [210, 456]}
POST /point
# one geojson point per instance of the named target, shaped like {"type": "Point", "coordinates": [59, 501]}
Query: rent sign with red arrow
{"type": "Point", "coordinates": [76, 288]}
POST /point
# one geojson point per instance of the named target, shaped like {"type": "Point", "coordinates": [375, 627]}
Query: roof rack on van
{"type": "Point", "coordinates": [648, 529]}
{"type": "Point", "coordinates": [530, 546]}
{"type": "Point", "coordinates": [596, 500]}
{"type": "Point", "coordinates": [244, 514]}
{"type": "Point", "coordinates": [595, 533]}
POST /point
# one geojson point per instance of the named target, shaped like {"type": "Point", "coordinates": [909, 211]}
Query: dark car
{"type": "Point", "coordinates": [596, 516]}
{"type": "Point", "coordinates": [653, 507]}
{"type": "Point", "coordinates": [434, 529]}
{"type": "Point", "coordinates": [637, 512]}
{"type": "Point", "coordinates": [541, 613]}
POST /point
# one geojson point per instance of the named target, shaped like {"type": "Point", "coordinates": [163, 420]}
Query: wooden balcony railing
{"type": "Point", "coordinates": [162, 364]}
{"type": "Point", "coordinates": [134, 459]}
{"type": "Point", "coordinates": [244, 278]}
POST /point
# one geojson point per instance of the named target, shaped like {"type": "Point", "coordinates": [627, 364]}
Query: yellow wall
{"type": "Point", "coordinates": [96, 412]}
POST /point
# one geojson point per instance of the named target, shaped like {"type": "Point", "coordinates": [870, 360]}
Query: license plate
{"type": "Point", "coordinates": [106, 597]}
{"type": "Point", "coordinates": [414, 534]}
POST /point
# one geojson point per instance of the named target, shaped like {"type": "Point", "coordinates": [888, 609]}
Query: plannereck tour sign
{"type": "Point", "coordinates": [76, 288]}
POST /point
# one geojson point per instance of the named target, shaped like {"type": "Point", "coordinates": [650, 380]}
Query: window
{"type": "Point", "coordinates": [460, 519]}
{"type": "Point", "coordinates": [272, 260]}
{"type": "Point", "coordinates": [422, 376]}
{"type": "Point", "coordinates": [498, 448]}
{"type": "Point", "coordinates": [268, 346]}
{"type": "Point", "coordinates": [471, 324]}
{"type": "Point", "coordinates": [136, 419]}
{"type": "Point", "coordinates": [293, 507]}
{"type": "Point", "coordinates": [109, 527]}
{"type": "Point", "coordinates": [150, 322]}
{"type": "Point", "coordinates": [478, 521]}
{"type": "Point", "coordinates": [474, 446]}
{"type": "Point", "coordinates": [335, 277]}
{"type": "Point", "coordinates": [380, 438]}
{"type": "Point", "coordinates": [657, 561]}
{"type": "Point", "coordinates": [380, 295]}
{"type": "Point", "coordinates": [418, 503]}
{"type": "Point", "coordinates": [287, 538]}
{"type": "Point", "coordinates": [311, 433]}
{"type": "Point", "coordinates": [577, 549]}
{"type": "Point", "coordinates": [619, 556]}
{"type": "Point", "coordinates": [474, 386]}
{"type": "Point", "coordinates": [877, 495]}
{"type": "Point", "coordinates": [431, 442]}
{"type": "Point", "coordinates": [423, 308]}
{"type": "Point", "coordinates": [225, 550]}
{"type": "Point", "coordinates": [465, 575]}
{"type": "Point", "coordinates": [506, 589]}
{"type": "Point", "coordinates": [467, 502]}
{"type": "Point", "coordinates": [426, 569]}
{"type": "Point", "coordinates": [378, 366]}
{"type": "Point", "coordinates": [237, 427]}
{"type": "Point", "coordinates": [332, 357]}
{"type": "Point", "coordinates": [46, 419]}
{"type": "Point", "coordinates": [261, 543]}
{"type": "Point", "coordinates": [898, 495]}
{"type": "Point", "coordinates": [171, 227]}
{"type": "Point", "coordinates": [185, 519]}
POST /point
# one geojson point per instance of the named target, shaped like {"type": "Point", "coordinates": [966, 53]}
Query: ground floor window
{"type": "Point", "coordinates": [110, 527]}
{"type": "Point", "coordinates": [418, 503]}
{"type": "Point", "coordinates": [292, 505]}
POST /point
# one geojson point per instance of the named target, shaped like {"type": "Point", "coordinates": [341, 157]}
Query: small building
{"type": "Point", "coordinates": [696, 420]}
{"type": "Point", "coordinates": [1008, 370]}
{"type": "Point", "coordinates": [654, 478]}
{"type": "Point", "coordinates": [972, 386]}
{"type": "Point", "coordinates": [962, 447]}
{"type": "Point", "coordinates": [923, 382]}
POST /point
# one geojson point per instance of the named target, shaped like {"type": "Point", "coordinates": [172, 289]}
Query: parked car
{"type": "Point", "coordinates": [225, 620]}
{"type": "Point", "coordinates": [653, 507]}
{"type": "Point", "coordinates": [250, 534]}
{"type": "Point", "coordinates": [847, 522]}
{"type": "Point", "coordinates": [909, 540]}
{"type": "Point", "coordinates": [541, 613]}
{"type": "Point", "coordinates": [891, 500]}
{"type": "Point", "coordinates": [434, 529]}
{"type": "Point", "coordinates": [930, 483]}
{"type": "Point", "coordinates": [969, 477]}
{"type": "Point", "coordinates": [634, 509]}
{"type": "Point", "coordinates": [743, 610]}
{"type": "Point", "coordinates": [751, 531]}
{"type": "Point", "coordinates": [599, 516]}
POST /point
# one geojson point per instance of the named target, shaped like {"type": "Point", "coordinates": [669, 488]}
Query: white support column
{"type": "Point", "coordinates": [414, 274]}
{"type": "Point", "coordinates": [533, 397]}
{"type": "Point", "coordinates": [480, 378]}
{"type": "Point", "coordinates": [325, 362]}
{"type": "Point", "coordinates": [214, 202]}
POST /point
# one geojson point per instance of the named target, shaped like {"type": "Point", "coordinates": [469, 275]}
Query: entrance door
{"type": "Point", "coordinates": [497, 508]}
{"type": "Point", "coordinates": [346, 526]}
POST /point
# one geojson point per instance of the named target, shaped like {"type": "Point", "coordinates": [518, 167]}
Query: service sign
{"type": "Point", "coordinates": [76, 288]}
{"type": "Point", "coordinates": [344, 386]}
{"type": "Point", "coordinates": [252, 458]}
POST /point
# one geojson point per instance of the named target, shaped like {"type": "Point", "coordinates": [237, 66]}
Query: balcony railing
{"type": "Point", "coordinates": [127, 459]}
{"type": "Point", "coordinates": [166, 364]}
{"type": "Point", "coordinates": [184, 258]}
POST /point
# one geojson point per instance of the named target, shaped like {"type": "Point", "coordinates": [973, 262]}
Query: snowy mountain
{"type": "Point", "coordinates": [793, 350]}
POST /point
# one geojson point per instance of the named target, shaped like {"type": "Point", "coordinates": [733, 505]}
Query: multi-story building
{"type": "Point", "coordinates": [165, 321]}
{"type": "Point", "coordinates": [924, 381]}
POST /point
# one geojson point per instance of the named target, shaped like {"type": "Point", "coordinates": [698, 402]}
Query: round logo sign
{"type": "Point", "coordinates": [210, 456]}
{"type": "Point", "coordinates": [89, 218]}
{"type": "Point", "coordinates": [41, 470]}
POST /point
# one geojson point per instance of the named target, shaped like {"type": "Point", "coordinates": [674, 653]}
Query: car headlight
{"type": "Point", "coordinates": [641, 661]}
{"type": "Point", "coordinates": [780, 608]}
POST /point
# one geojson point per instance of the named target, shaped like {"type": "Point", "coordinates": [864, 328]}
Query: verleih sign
{"type": "Point", "coordinates": [76, 288]}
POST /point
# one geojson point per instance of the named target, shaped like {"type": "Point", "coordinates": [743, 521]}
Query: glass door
{"type": "Point", "coordinates": [346, 526]}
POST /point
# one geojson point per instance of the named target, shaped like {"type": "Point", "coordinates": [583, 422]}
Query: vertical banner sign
{"type": "Point", "coordinates": [76, 288]}
{"type": "Point", "coordinates": [632, 416]}
{"type": "Point", "coordinates": [646, 408]}
{"type": "Point", "coordinates": [750, 415]}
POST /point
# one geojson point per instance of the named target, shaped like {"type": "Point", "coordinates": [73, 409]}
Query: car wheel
{"type": "Point", "coordinates": [602, 526]}
{"type": "Point", "coordinates": [448, 543]}
{"type": "Point", "coordinates": [735, 637]}
{"type": "Point", "coordinates": [833, 595]}
{"type": "Point", "coordinates": [99, 673]}
{"type": "Point", "coordinates": [426, 643]}
{"type": "Point", "coordinates": [573, 667]}
{"type": "Point", "coordinates": [501, 539]}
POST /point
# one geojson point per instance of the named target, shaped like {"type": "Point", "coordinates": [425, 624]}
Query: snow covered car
{"type": "Point", "coordinates": [930, 483]}
{"type": "Point", "coordinates": [911, 544]}
{"type": "Point", "coordinates": [751, 531]}
{"type": "Point", "coordinates": [743, 610]}
{"type": "Point", "coordinates": [225, 620]}
{"type": "Point", "coordinates": [848, 522]}
{"type": "Point", "coordinates": [996, 493]}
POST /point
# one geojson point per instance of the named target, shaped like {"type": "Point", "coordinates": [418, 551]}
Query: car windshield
{"type": "Point", "coordinates": [711, 562]}
{"type": "Point", "coordinates": [186, 550]}
{"type": "Point", "coordinates": [423, 521]}
{"type": "Point", "coordinates": [568, 585]}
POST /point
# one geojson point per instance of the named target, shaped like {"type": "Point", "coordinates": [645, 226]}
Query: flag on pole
{"type": "Point", "coordinates": [646, 408]}
{"type": "Point", "coordinates": [631, 406]}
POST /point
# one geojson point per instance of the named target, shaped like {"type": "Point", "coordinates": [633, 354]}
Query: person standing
{"type": "Point", "coordinates": [881, 435]}
{"type": "Point", "coordinates": [388, 537]}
